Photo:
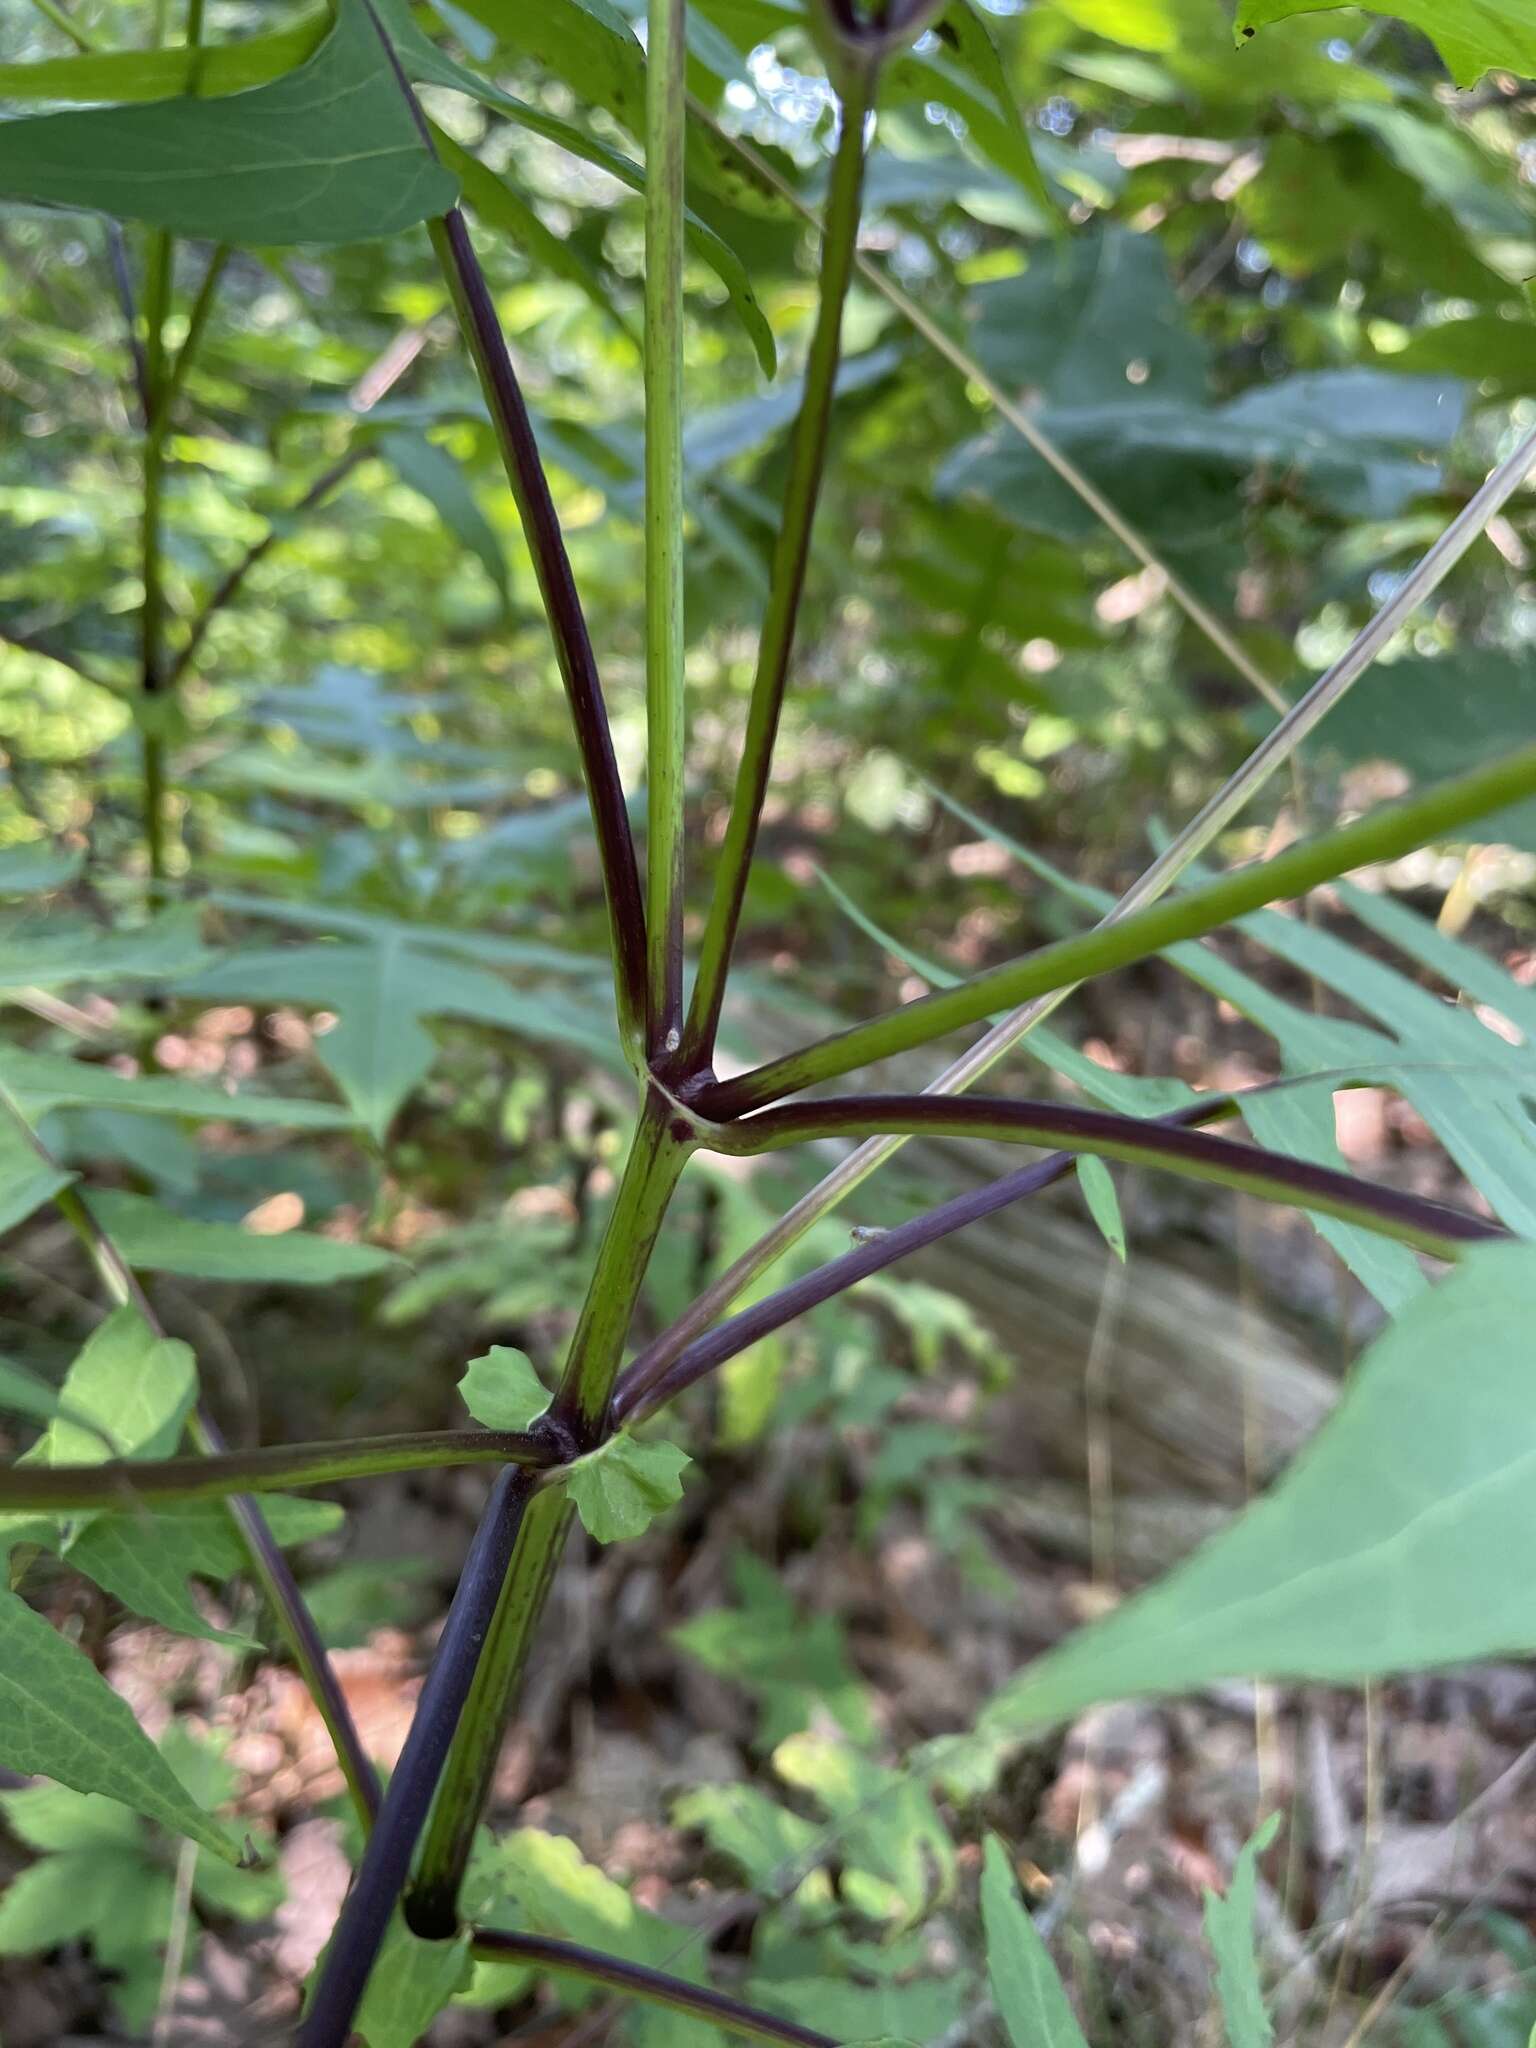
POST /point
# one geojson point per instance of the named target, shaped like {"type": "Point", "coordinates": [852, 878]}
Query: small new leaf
{"type": "Point", "coordinates": [502, 1390]}
{"type": "Point", "coordinates": [620, 1488]}
{"type": "Point", "coordinates": [1097, 1184]}
{"type": "Point", "coordinates": [1229, 1930]}
{"type": "Point", "coordinates": [1025, 1982]}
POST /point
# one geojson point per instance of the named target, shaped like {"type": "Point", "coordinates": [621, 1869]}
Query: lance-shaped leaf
{"type": "Point", "coordinates": [1473, 36]}
{"type": "Point", "coordinates": [60, 1719]}
{"type": "Point", "coordinates": [1025, 1984]}
{"type": "Point", "coordinates": [1229, 1929]}
{"type": "Point", "coordinates": [155, 1239]}
{"type": "Point", "coordinates": [332, 152]}
{"type": "Point", "coordinates": [1396, 1541]}
{"type": "Point", "coordinates": [27, 1180]}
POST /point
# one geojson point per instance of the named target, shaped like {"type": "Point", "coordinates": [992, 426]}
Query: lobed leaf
{"type": "Point", "coordinates": [60, 1719]}
{"type": "Point", "coordinates": [620, 1488]}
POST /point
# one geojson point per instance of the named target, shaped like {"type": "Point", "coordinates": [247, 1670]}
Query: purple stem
{"type": "Point", "coordinates": [649, 1381]}
{"type": "Point", "coordinates": [654, 1377]}
{"type": "Point", "coordinates": [635, 1980]}
{"type": "Point", "coordinates": [573, 645]}
{"type": "Point", "coordinates": [1112, 1134]}
{"type": "Point", "coordinates": [370, 1905]}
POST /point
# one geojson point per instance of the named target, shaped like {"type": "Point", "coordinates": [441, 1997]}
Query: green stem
{"type": "Point", "coordinates": [1387, 834]}
{"type": "Point", "coordinates": [197, 321]}
{"type": "Point", "coordinates": [665, 736]}
{"type": "Point", "coordinates": [657, 1156]}
{"type": "Point", "coordinates": [807, 458]}
{"type": "Point", "coordinates": [61, 21]}
{"type": "Point", "coordinates": [129, 1485]}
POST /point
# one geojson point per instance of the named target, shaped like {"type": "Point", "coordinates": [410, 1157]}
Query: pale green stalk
{"type": "Point", "coordinates": [656, 1159]}
{"type": "Point", "coordinates": [807, 459]}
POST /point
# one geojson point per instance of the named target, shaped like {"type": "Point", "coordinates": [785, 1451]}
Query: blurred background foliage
{"type": "Point", "coordinates": [1271, 298]}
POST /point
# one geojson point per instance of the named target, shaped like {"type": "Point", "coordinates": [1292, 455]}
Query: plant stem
{"type": "Point", "coordinates": [1192, 841]}
{"type": "Point", "coordinates": [635, 1980]}
{"type": "Point", "coordinates": [656, 1159]}
{"type": "Point", "coordinates": [1249, 1169]}
{"type": "Point", "coordinates": [127, 1485]}
{"type": "Point", "coordinates": [1108, 514]}
{"type": "Point", "coordinates": [807, 458]}
{"type": "Point", "coordinates": [1387, 834]}
{"type": "Point", "coordinates": [197, 321]}
{"type": "Point", "coordinates": [51, 11]}
{"type": "Point", "coordinates": [153, 680]}
{"type": "Point", "coordinates": [370, 1905]}
{"type": "Point", "coordinates": [573, 647]}
{"type": "Point", "coordinates": [664, 637]}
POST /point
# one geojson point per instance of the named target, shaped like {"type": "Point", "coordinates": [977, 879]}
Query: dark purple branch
{"type": "Point", "coordinates": [654, 1377]}
{"type": "Point", "coordinates": [1106, 1131]}
{"type": "Point", "coordinates": [314, 1658]}
{"type": "Point", "coordinates": [649, 1381]}
{"type": "Point", "coordinates": [573, 645]}
{"type": "Point", "coordinates": [359, 1932]}
{"type": "Point", "coordinates": [636, 1981]}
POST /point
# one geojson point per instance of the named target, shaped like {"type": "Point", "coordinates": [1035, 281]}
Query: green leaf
{"type": "Point", "coordinates": [768, 1844]}
{"type": "Point", "coordinates": [379, 1051]}
{"type": "Point", "coordinates": [127, 75]}
{"type": "Point", "coordinates": [65, 1898]}
{"type": "Point", "coordinates": [127, 1395]}
{"type": "Point", "coordinates": [589, 45]}
{"type": "Point", "coordinates": [1098, 1186]}
{"type": "Point", "coordinates": [432, 471]}
{"type": "Point", "coordinates": [53, 1817]}
{"type": "Point", "coordinates": [1229, 1929]}
{"type": "Point", "coordinates": [409, 1985]}
{"type": "Point", "coordinates": [1392, 1543]}
{"type": "Point", "coordinates": [965, 72]}
{"type": "Point", "coordinates": [1025, 1983]}
{"type": "Point", "coordinates": [168, 946]}
{"type": "Point", "coordinates": [42, 1081]}
{"type": "Point", "coordinates": [138, 1562]}
{"type": "Point", "coordinates": [60, 1719]}
{"type": "Point", "coordinates": [157, 1240]}
{"type": "Point", "coordinates": [34, 870]}
{"type": "Point", "coordinates": [145, 1560]}
{"type": "Point", "coordinates": [620, 1488]}
{"type": "Point", "coordinates": [500, 205]}
{"type": "Point", "coordinates": [794, 1664]}
{"type": "Point", "coordinates": [554, 1890]}
{"type": "Point", "coordinates": [502, 1390]}
{"type": "Point", "coordinates": [27, 1180]}
{"type": "Point", "coordinates": [1473, 36]}
{"type": "Point", "coordinates": [896, 1854]}
{"type": "Point", "coordinates": [329, 153]}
